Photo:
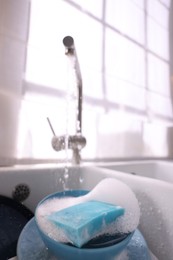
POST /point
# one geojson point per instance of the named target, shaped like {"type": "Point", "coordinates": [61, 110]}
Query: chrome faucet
{"type": "Point", "coordinates": [78, 141]}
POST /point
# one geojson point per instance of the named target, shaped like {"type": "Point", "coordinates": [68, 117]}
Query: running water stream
{"type": "Point", "coordinates": [71, 105]}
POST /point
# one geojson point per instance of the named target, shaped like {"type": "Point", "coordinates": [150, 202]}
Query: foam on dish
{"type": "Point", "coordinates": [108, 190]}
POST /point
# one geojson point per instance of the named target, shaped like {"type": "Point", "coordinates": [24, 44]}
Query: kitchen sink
{"type": "Point", "coordinates": [154, 196]}
{"type": "Point", "coordinates": [161, 170]}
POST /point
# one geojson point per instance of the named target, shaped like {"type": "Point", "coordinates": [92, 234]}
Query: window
{"type": "Point", "coordinates": [123, 51]}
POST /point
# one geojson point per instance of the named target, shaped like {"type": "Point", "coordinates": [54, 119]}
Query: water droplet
{"type": "Point", "coordinates": [66, 173]}
{"type": "Point", "coordinates": [81, 179]}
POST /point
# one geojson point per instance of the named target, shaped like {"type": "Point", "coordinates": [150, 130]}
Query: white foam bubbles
{"type": "Point", "coordinates": [47, 208]}
{"type": "Point", "coordinates": [116, 192]}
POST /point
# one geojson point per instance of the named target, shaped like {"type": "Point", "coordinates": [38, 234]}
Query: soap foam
{"type": "Point", "coordinates": [109, 190]}
{"type": "Point", "coordinates": [47, 208]}
{"type": "Point", "coordinates": [116, 192]}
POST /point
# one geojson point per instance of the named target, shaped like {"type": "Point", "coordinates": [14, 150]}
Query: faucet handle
{"type": "Point", "coordinates": [58, 143]}
{"type": "Point", "coordinates": [74, 142]}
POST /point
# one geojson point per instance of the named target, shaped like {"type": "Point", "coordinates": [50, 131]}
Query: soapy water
{"type": "Point", "coordinates": [108, 190]}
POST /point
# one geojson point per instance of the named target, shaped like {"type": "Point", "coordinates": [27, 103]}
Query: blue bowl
{"type": "Point", "coordinates": [106, 248]}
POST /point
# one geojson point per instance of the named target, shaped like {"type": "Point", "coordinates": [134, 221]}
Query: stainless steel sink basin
{"type": "Point", "coordinates": [161, 170]}
{"type": "Point", "coordinates": [154, 196]}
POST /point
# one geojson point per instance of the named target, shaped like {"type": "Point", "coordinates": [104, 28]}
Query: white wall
{"type": "Point", "coordinates": [13, 39]}
{"type": "Point", "coordinates": [127, 108]}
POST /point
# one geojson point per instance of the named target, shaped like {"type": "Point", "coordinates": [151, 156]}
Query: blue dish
{"type": "Point", "coordinates": [68, 251]}
{"type": "Point", "coordinates": [31, 246]}
{"type": "Point", "coordinates": [37, 249]}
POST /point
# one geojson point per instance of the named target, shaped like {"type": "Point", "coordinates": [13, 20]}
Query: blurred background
{"type": "Point", "coordinates": [126, 58]}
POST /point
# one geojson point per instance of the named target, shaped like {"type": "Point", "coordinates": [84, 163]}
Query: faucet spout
{"type": "Point", "coordinates": [70, 51]}
{"type": "Point", "coordinates": [78, 141]}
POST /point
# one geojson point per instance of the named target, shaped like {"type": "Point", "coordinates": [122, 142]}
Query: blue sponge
{"type": "Point", "coordinates": [81, 222]}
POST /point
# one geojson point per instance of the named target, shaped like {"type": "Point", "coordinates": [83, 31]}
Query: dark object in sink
{"type": "Point", "coordinates": [105, 240]}
{"type": "Point", "coordinates": [21, 192]}
{"type": "Point", "coordinates": [13, 217]}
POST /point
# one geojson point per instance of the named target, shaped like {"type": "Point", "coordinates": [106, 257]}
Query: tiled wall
{"type": "Point", "coordinates": [110, 132]}
{"type": "Point", "coordinates": [13, 39]}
